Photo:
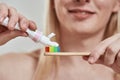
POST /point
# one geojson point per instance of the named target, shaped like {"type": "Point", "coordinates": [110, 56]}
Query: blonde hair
{"type": "Point", "coordinates": [47, 64]}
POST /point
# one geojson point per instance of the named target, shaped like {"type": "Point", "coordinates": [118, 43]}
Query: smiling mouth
{"type": "Point", "coordinates": [80, 14]}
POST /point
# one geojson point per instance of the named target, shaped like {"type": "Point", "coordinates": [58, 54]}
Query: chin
{"type": "Point", "coordinates": [84, 31]}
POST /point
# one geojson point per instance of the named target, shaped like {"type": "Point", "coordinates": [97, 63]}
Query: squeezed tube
{"type": "Point", "coordinates": [36, 36]}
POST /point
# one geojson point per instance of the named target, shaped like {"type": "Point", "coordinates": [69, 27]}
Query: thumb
{"type": "Point", "coordinates": [8, 35]}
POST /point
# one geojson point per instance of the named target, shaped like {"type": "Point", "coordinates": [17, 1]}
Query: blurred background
{"type": "Point", "coordinates": [33, 10]}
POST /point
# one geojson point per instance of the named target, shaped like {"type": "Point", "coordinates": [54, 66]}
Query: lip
{"type": "Point", "coordinates": [80, 13]}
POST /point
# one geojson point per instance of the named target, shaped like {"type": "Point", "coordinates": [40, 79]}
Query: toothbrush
{"type": "Point", "coordinates": [55, 51]}
{"type": "Point", "coordinates": [36, 36]}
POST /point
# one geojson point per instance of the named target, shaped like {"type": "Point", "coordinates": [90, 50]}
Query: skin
{"type": "Point", "coordinates": [20, 62]}
{"type": "Point", "coordinates": [9, 33]}
{"type": "Point", "coordinates": [17, 66]}
{"type": "Point", "coordinates": [81, 34]}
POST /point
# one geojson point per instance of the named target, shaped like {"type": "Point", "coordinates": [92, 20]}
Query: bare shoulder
{"type": "Point", "coordinates": [17, 66]}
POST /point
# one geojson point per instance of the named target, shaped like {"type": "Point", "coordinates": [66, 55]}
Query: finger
{"type": "Point", "coordinates": [100, 49]}
{"type": "Point", "coordinates": [13, 18]}
{"type": "Point", "coordinates": [32, 25]}
{"type": "Point", "coordinates": [116, 65]}
{"type": "Point", "coordinates": [85, 57]}
{"type": "Point", "coordinates": [111, 52]}
{"type": "Point", "coordinates": [118, 60]}
{"type": "Point", "coordinates": [3, 11]}
{"type": "Point", "coordinates": [117, 76]}
{"type": "Point", "coordinates": [8, 35]}
{"type": "Point", "coordinates": [24, 23]}
{"type": "Point", "coordinates": [2, 28]}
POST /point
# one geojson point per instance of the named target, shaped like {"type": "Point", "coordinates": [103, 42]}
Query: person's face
{"type": "Point", "coordinates": [85, 16]}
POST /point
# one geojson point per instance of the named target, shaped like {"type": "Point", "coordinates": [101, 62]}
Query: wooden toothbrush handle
{"type": "Point", "coordinates": [67, 53]}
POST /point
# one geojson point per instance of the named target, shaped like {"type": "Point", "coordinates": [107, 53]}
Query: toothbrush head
{"type": "Point", "coordinates": [52, 49]}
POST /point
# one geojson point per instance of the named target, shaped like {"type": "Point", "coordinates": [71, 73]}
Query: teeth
{"type": "Point", "coordinates": [83, 13]}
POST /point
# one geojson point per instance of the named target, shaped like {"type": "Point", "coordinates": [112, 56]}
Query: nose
{"type": "Point", "coordinates": [81, 1]}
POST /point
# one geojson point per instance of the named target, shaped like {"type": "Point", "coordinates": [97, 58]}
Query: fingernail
{"type": "Point", "coordinates": [25, 27]}
{"type": "Point", "coordinates": [24, 24]}
{"type": "Point", "coordinates": [11, 28]}
{"type": "Point", "coordinates": [24, 34]}
{"type": "Point", "coordinates": [91, 60]}
{"type": "Point", "coordinates": [1, 19]}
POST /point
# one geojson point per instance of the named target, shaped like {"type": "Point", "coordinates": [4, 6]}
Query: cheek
{"type": "Point", "coordinates": [104, 10]}
{"type": "Point", "coordinates": [60, 9]}
{"type": "Point", "coordinates": [104, 4]}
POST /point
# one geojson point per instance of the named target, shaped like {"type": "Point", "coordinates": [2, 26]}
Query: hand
{"type": "Point", "coordinates": [110, 50]}
{"type": "Point", "coordinates": [9, 33]}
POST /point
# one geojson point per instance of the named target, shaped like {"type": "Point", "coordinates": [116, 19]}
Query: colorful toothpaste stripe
{"type": "Point", "coordinates": [52, 49]}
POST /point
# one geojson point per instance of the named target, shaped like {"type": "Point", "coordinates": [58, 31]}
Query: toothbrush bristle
{"type": "Point", "coordinates": [52, 49]}
{"type": "Point", "coordinates": [46, 49]}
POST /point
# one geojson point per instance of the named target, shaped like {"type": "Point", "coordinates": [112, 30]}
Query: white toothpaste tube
{"type": "Point", "coordinates": [37, 36]}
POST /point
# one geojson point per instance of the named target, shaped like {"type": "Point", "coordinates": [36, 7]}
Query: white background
{"type": "Point", "coordinates": [32, 9]}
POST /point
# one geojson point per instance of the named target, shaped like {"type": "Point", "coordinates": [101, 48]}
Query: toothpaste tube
{"type": "Point", "coordinates": [36, 36]}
